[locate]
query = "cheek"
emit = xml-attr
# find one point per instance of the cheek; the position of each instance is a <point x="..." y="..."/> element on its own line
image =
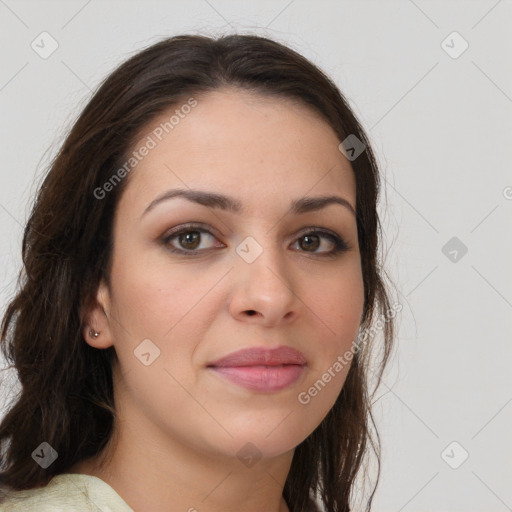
<point x="339" y="302"/>
<point x="338" y="308"/>
<point x="153" y="304"/>
<point x="168" y="307"/>
<point x="152" y="298"/>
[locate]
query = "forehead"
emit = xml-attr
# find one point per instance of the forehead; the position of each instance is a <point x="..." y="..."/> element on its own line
<point x="244" y="144"/>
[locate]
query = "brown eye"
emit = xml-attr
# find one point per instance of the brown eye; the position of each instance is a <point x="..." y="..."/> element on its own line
<point x="187" y="240"/>
<point x="312" y="241"/>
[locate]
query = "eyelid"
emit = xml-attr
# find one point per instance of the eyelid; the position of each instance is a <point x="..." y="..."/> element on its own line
<point x="191" y="226"/>
<point x="206" y="227"/>
<point x="315" y="229"/>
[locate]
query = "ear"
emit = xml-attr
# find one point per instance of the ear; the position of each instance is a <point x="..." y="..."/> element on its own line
<point x="97" y="319"/>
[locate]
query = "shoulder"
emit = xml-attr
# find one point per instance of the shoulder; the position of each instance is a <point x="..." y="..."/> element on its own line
<point x="64" y="493"/>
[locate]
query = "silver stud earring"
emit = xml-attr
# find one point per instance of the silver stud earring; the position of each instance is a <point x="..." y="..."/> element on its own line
<point x="93" y="334"/>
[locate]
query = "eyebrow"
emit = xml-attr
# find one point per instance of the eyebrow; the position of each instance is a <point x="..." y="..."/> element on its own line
<point x="223" y="202"/>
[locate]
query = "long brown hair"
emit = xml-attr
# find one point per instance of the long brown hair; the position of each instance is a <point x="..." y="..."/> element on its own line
<point x="66" y="398"/>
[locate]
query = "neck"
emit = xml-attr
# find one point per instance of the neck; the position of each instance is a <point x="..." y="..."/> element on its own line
<point x="154" y="473"/>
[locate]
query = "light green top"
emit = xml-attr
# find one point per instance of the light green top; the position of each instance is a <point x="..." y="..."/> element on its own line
<point x="65" y="493"/>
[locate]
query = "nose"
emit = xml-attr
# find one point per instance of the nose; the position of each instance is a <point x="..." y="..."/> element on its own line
<point x="264" y="290"/>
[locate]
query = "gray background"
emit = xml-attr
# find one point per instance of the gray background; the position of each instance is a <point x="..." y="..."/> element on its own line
<point x="441" y="128"/>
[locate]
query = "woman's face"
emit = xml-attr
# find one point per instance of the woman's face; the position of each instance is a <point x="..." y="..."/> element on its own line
<point x="262" y="277"/>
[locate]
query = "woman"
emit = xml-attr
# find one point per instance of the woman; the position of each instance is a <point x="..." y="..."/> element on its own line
<point x="201" y="263"/>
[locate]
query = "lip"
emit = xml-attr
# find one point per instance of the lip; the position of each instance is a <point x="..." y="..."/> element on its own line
<point x="261" y="369"/>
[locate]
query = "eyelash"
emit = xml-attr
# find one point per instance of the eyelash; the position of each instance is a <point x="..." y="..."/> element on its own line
<point x="340" y="245"/>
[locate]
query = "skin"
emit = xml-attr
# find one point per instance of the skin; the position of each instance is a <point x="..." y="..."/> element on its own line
<point x="180" y="425"/>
